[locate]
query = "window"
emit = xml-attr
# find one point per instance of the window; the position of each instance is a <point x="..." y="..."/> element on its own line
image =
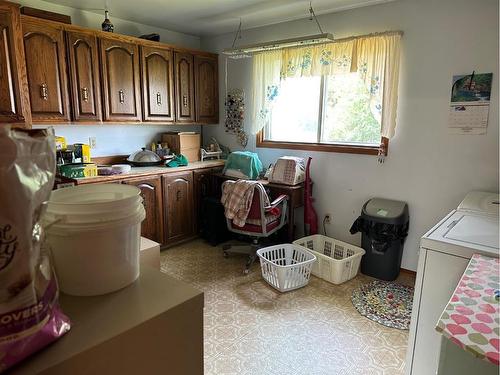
<point x="331" y="113"/>
<point x="340" y="96"/>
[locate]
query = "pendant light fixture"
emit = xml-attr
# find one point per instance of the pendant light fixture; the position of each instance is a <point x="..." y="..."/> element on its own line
<point x="247" y="50"/>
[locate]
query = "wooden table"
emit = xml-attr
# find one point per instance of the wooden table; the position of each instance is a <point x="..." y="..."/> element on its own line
<point x="295" y="194"/>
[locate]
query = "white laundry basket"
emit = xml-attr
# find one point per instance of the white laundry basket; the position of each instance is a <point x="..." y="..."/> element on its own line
<point x="94" y="233"/>
<point x="337" y="261"/>
<point x="286" y="267"/>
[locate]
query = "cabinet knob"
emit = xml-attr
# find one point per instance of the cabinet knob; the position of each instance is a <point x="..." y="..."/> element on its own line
<point x="121" y="96"/>
<point x="44" y="91"/>
<point x="158" y="98"/>
<point x="184" y="100"/>
<point x="178" y="195"/>
<point x="85" y="94"/>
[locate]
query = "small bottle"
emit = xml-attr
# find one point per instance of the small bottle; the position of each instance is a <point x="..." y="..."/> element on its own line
<point x="107" y="25"/>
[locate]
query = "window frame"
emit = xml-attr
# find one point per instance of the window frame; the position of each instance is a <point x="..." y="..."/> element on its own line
<point x="324" y="147"/>
<point x="348" y="148"/>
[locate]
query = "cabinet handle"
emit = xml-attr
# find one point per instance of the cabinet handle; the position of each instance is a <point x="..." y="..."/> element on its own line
<point x="178" y="197"/>
<point x="85" y="94"/>
<point x="121" y="95"/>
<point x="143" y="200"/>
<point x="158" y="98"/>
<point x="185" y="100"/>
<point x="44" y="91"/>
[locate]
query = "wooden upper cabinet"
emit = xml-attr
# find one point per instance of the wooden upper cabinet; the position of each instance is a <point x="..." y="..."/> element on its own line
<point x="184" y="87"/>
<point x="14" y="97"/>
<point x="46" y="68"/>
<point x="83" y="64"/>
<point x="207" y="89"/>
<point x="120" y="80"/>
<point x="157" y="84"/>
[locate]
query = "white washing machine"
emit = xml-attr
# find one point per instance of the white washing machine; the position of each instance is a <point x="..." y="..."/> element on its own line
<point x="445" y="251"/>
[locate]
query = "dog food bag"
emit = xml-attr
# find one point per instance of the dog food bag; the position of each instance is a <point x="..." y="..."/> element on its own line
<point x="30" y="317"/>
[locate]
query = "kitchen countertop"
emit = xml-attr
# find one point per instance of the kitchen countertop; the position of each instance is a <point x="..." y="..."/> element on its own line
<point x="470" y="319"/>
<point x="151" y="171"/>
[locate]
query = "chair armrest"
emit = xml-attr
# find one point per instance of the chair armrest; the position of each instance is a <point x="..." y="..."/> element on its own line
<point x="276" y="202"/>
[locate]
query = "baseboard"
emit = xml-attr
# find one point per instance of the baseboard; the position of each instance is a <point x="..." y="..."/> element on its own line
<point x="408" y="272"/>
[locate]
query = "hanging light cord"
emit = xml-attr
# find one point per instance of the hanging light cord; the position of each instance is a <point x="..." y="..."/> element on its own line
<point x="312" y="16"/>
<point x="237" y="35"/>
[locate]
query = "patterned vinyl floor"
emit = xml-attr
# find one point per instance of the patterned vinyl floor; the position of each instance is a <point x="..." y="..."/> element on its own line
<point x="250" y="328"/>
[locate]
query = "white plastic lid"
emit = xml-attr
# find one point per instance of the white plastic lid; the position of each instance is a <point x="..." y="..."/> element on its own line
<point x="481" y="202"/>
<point x="92" y="203"/>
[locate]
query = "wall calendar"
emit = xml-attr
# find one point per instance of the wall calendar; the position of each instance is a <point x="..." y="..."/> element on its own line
<point x="470" y="103"/>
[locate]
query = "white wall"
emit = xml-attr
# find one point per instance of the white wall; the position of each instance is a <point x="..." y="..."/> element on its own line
<point x="116" y="139"/>
<point x="426" y="167"/>
<point x="93" y="21"/>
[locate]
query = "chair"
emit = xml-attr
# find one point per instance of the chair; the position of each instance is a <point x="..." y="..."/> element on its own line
<point x="262" y="221"/>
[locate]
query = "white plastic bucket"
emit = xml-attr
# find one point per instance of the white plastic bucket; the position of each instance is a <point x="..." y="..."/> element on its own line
<point x="94" y="233"/>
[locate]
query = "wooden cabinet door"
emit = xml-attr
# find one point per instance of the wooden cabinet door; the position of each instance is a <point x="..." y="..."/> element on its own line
<point x="46" y="68"/>
<point x="206" y="89"/>
<point x="84" y="75"/>
<point x="120" y="78"/>
<point x="14" y="100"/>
<point x="152" y="226"/>
<point x="184" y="87"/>
<point x="178" y="206"/>
<point x="157" y="84"/>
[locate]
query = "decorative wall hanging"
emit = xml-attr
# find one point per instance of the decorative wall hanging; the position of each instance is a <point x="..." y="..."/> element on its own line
<point x="235" y="110"/>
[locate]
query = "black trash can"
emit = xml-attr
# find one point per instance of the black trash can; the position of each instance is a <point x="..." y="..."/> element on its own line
<point x="384" y="226"/>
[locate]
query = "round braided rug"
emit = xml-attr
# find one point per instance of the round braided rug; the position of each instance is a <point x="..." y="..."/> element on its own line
<point x="384" y="302"/>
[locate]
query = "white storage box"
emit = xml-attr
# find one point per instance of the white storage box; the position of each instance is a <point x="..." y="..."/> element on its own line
<point x="286" y="267"/>
<point x="337" y="261"/>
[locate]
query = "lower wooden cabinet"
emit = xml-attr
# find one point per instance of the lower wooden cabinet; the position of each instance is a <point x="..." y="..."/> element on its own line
<point x="173" y="203"/>
<point x="151" y="192"/>
<point x="178" y="207"/>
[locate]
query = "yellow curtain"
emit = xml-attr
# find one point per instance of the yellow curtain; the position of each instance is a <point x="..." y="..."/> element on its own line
<point x="266" y="81"/>
<point x="375" y="58"/>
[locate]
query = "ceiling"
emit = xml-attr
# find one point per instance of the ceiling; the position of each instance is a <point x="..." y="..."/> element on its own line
<point x="212" y="17"/>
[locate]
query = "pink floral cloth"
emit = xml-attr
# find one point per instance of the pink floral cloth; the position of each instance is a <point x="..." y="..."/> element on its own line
<point x="471" y="318"/>
<point x="237" y="199"/>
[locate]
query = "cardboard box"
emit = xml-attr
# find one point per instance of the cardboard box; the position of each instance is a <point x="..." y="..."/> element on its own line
<point x="187" y="144"/>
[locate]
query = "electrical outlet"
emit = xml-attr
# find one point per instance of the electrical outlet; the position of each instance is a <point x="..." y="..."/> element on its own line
<point x="92" y="142"/>
<point x="328" y="218"/>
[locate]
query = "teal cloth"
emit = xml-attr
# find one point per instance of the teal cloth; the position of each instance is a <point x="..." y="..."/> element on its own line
<point x="178" y="161"/>
<point x="246" y="162"/>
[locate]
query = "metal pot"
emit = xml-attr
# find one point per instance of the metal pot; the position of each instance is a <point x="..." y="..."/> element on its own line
<point x="144" y="158"/>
